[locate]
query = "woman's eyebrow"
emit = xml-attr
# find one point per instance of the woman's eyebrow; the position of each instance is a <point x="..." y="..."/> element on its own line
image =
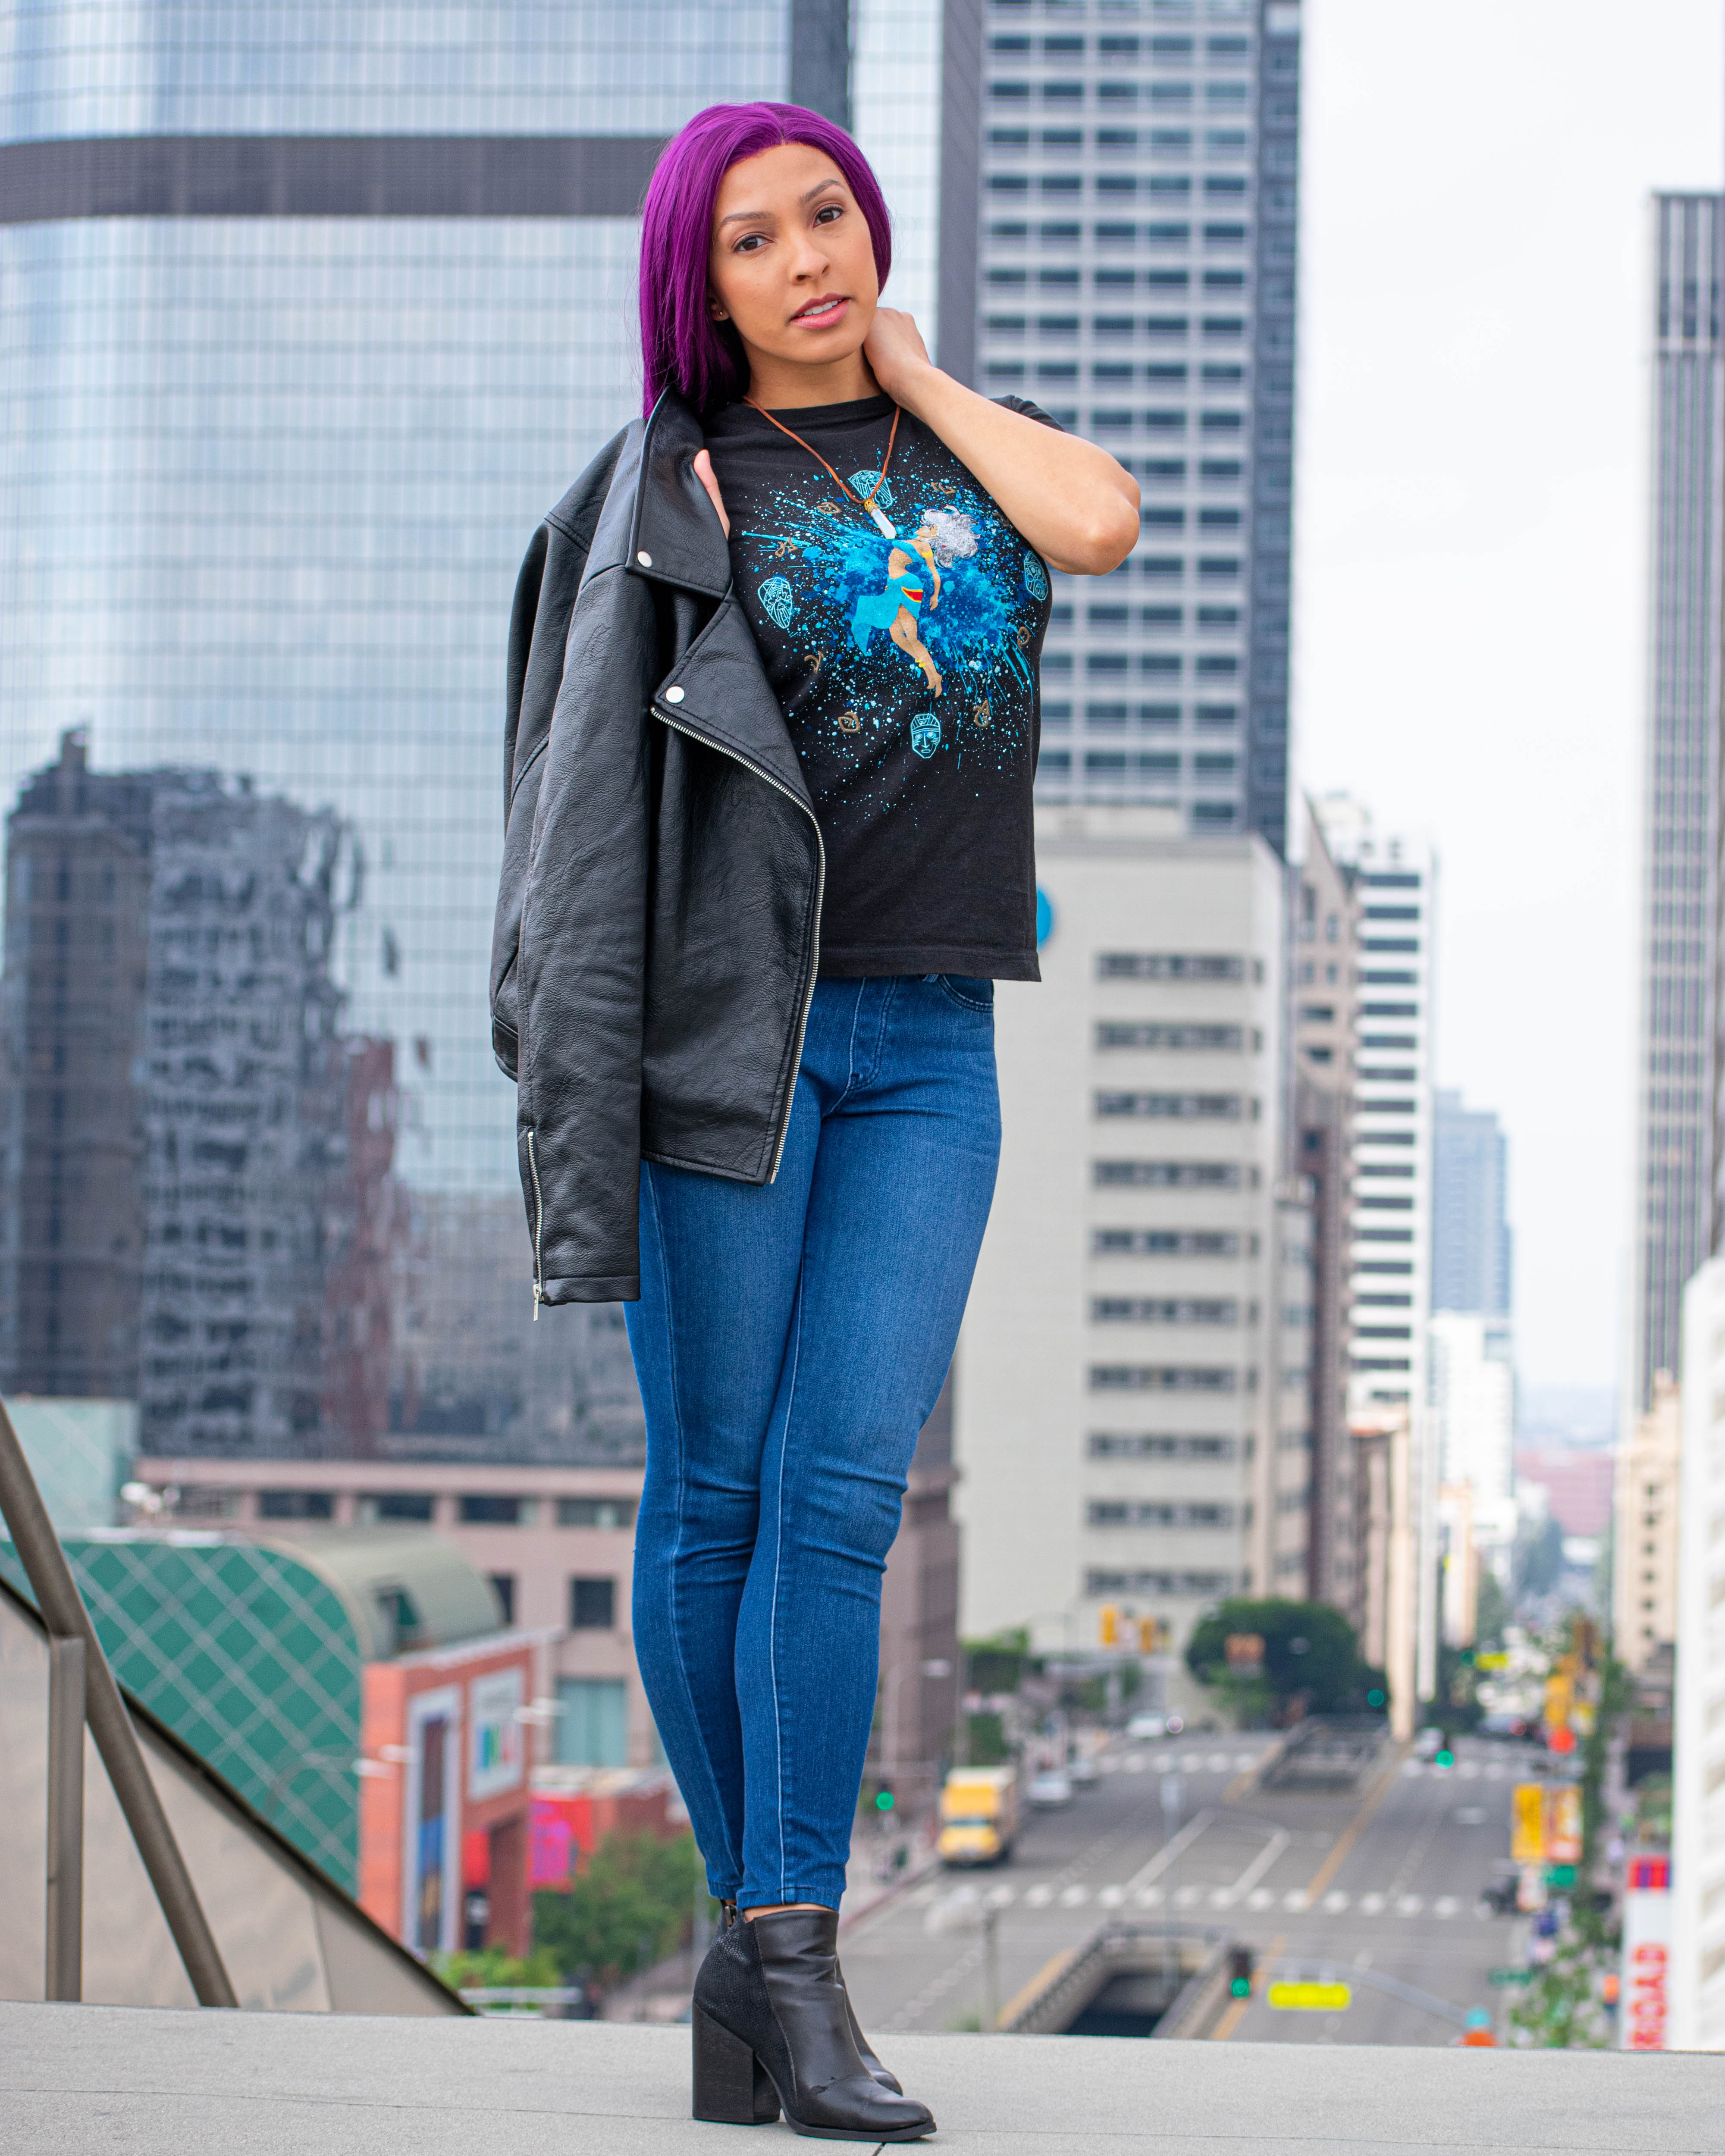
<point x="750" y="216"/>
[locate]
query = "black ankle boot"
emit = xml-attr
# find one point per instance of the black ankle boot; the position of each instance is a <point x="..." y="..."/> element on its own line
<point x="769" y="1997"/>
<point x="871" y="2065"/>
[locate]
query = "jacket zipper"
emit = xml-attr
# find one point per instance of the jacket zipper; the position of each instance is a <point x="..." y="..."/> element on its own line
<point x="820" y="885"/>
<point x="538" y="1224"/>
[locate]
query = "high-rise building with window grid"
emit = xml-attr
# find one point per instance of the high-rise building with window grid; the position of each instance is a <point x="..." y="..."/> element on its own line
<point x="1137" y="264"/>
<point x="1677" y="1206"/>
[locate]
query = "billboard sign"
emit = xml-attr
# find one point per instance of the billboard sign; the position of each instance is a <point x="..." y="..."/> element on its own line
<point x="1646" y="1952"/>
<point x="496" y="1752"/>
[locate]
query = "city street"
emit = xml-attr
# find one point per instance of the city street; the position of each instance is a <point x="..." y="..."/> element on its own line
<point x="1375" y="1885"/>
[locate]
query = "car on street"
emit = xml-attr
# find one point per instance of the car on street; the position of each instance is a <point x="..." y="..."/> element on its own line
<point x="1147" y="1725"/>
<point x="1083" y="1772"/>
<point x="1051" y="1788"/>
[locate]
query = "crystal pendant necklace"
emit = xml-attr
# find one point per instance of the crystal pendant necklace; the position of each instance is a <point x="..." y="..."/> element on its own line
<point x="887" y="530"/>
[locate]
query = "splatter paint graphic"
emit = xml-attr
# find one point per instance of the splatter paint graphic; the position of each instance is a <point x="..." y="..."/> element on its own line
<point x="920" y="637"/>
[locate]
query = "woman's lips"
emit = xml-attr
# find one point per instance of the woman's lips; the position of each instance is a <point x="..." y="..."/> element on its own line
<point x="830" y="307"/>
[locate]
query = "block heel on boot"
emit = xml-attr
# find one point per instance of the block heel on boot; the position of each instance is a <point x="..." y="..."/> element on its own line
<point x="769" y="1995"/>
<point x="732" y="2086"/>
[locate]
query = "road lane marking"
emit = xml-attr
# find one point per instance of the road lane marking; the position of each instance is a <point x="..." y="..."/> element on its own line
<point x="1335" y="1903"/>
<point x="1278" y="1841"/>
<point x="1217" y="1762"/>
<point x="1039" y="1898"/>
<point x="1188" y="1897"/>
<point x="1110" y="1898"/>
<point x="1409" y="1905"/>
<point x="1371" y="1905"/>
<point x="1446" y="1906"/>
<point x="1075" y="1898"/>
<point x="1148" y="1898"/>
<point x="1469" y="1769"/>
<point x="1138" y="1762"/>
<point x="1351" y="1834"/>
<point x="1261" y="1897"/>
<point x="1169" y="1851"/>
<point x="1299" y="1899"/>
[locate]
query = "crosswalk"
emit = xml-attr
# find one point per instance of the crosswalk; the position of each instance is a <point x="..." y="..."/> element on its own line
<point x="1195" y="1896"/>
<point x="1168" y="1762"/>
<point x="1160" y="1762"/>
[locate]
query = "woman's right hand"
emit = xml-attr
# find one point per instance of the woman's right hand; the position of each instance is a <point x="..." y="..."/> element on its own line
<point x="704" y="472"/>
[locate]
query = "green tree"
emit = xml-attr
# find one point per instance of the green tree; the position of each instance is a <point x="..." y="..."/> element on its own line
<point x="631" y="1904"/>
<point x="1310" y="1651"/>
<point x="493" y="1968"/>
<point x="1494" y="1610"/>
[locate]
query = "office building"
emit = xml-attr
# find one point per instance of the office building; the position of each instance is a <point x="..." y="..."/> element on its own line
<point x="1646" y="1503"/>
<point x="300" y="333"/>
<point x="1323" y="959"/>
<point x="1138" y="224"/>
<point x="1470" y="1240"/>
<point x="1132" y="1396"/>
<point x="1676" y="1208"/>
<point x="1697" y="1955"/>
<point x="1390" y="1258"/>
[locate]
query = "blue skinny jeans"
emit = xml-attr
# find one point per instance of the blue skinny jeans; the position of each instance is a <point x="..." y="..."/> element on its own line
<point x="790" y="1342"/>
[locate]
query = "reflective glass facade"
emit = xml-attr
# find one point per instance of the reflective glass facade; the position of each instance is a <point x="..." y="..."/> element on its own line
<point x="265" y="480"/>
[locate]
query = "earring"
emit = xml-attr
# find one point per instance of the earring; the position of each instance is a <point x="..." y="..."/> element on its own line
<point x="720" y="314"/>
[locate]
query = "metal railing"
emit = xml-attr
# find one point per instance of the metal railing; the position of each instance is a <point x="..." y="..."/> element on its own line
<point x="81" y="1691"/>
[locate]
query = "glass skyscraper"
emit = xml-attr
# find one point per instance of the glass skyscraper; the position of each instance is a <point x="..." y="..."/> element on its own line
<point x="1139" y="207"/>
<point x="308" y="312"/>
<point x="1675" y="1207"/>
<point x="1471" y="1238"/>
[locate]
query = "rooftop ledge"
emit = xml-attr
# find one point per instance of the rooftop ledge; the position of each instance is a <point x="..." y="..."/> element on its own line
<point x="158" y="2082"/>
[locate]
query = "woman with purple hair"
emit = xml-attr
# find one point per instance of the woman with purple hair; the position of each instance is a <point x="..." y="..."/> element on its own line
<point x="760" y="874"/>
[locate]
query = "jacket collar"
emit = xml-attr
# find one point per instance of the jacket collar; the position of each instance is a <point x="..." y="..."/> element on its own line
<point x="674" y="536"/>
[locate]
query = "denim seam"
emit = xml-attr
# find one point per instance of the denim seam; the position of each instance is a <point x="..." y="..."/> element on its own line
<point x="777" y="1564"/>
<point x="944" y="983"/>
<point x="887" y="1001"/>
<point x="676" y="1399"/>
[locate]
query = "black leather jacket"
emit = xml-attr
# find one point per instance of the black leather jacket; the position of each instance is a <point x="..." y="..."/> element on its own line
<point x="658" y="926"/>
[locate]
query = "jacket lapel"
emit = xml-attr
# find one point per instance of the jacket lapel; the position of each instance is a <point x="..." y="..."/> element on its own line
<point x="718" y="688"/>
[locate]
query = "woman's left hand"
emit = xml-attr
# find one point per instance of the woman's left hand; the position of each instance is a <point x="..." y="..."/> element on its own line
<point x="895" y="350"/>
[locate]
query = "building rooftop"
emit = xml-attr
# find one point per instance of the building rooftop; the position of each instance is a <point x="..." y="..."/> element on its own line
<point x="168" y="2083"/>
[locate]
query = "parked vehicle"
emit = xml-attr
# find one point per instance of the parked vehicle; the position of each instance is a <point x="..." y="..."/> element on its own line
<point x="1082" y="1771"/>
<point x="1147" y="1725"/>
<point x="979" y="1815"/>
<point x="1050" y="1790"/>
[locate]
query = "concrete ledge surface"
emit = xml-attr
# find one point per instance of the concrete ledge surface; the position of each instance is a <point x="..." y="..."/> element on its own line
<point x="86" y="2081"/>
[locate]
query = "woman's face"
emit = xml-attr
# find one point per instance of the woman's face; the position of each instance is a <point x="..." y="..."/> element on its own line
<point x="791" y="262"/>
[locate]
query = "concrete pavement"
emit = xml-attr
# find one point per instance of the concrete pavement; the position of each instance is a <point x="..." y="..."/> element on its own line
<point x="94" y="2081"/>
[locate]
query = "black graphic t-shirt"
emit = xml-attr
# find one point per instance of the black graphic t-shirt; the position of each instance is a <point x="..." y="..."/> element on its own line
<point x="905" y="661"/>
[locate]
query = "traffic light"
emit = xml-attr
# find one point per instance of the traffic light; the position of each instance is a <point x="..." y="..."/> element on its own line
<point x="1241" y="1962"/>
<point x="884" y="1799"/>
<point x="1108" y="1625"/>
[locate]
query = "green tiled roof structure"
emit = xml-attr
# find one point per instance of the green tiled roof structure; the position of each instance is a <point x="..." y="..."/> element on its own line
<point x="251" y="1651"/>
<point x="249" y="1655"/>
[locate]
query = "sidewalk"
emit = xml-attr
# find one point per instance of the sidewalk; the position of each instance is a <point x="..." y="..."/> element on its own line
<point x="75" y="2080"/>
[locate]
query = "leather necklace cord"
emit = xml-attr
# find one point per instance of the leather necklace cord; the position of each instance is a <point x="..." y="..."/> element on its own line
<point x="863" y="501"/>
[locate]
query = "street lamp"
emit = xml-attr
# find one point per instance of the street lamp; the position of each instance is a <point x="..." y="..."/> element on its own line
<point x="932" y="1669"/>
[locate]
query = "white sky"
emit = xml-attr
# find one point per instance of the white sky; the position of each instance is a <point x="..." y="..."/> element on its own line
<point x="1471" y="534"/>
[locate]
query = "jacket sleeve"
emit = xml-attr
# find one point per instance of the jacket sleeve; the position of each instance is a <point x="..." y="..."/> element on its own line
<point x="545" y="594"/>
<point x="582" y="964"/>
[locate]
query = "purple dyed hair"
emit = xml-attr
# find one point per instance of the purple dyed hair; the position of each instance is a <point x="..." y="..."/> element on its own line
<point x="682" y="346"/>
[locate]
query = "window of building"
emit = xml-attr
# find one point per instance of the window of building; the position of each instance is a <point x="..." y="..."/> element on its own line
<point x="1164" y="1243"/>
<point x="1142" y="1033"/>
<point x="1166" y="1174"/>
<point x="592" y="1725"/>
<point x="1218" y="565"/>
<point x="1206" y="1107"/>
<point x="593" y="1604"/>
<point x="502" y="1584"/>
<point x="296" y="1504"/>
<point x="1058" y="234"/>
<point x="1159" y="715"/>
<point x="1217" y="616"/>
<point x="415" y="1505"/>
<point x="596" y="1511"/>
<point x="488" y="1511"/>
